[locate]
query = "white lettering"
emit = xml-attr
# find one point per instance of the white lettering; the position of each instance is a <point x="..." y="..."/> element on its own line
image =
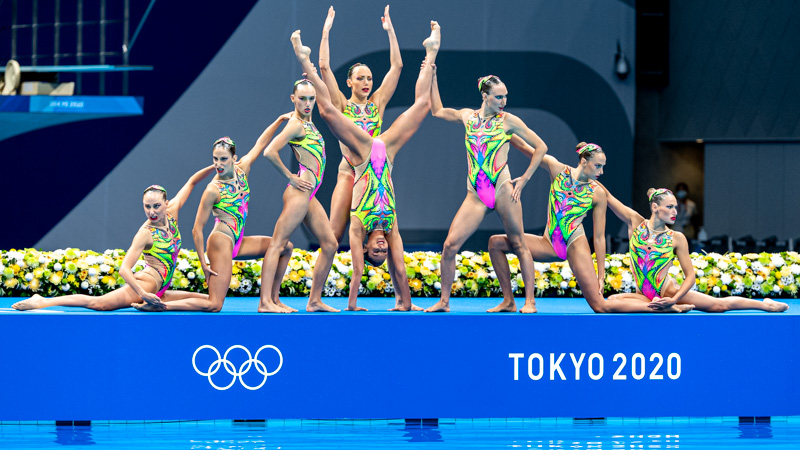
<point x="555" y="365"/>
<point x="577" y="364"/>
<point x="592" y="374"/>
<point x="516" y="357"/>
<point x="530" y="366"/>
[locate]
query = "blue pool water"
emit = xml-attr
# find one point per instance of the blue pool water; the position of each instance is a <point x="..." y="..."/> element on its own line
<point x="712" y="433"/>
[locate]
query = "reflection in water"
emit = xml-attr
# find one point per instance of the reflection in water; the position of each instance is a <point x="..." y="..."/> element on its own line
<point x="74" y="436"/>
<point x="755" y="431"/>
<point x="416" y="432"/>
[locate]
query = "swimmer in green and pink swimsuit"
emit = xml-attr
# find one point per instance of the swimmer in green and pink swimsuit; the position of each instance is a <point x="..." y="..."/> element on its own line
<point x="159" y="241"/>
<point x="653" y="249"/>
<point x="490" y="187"/>
<point x="364" y="107"/>
<point x="373" y="202"/>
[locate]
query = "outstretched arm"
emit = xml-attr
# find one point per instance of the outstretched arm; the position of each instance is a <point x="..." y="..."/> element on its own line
<point x="210" y="197"/>
<point x="141" y="241"/>
<point x="180" y="198"/>
<point x="384" y="93"/>
<point x="292" y="130"/>
<point x="627" y="215"/>
<point x="599" y="226"/>
<point x="337" y="98"/>
<point x="247" y="161"/>
<point x="448" y="114"/>
<point x="357" y="255"/>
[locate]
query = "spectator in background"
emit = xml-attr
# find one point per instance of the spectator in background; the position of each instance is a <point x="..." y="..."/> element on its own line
<point x="687" y="212"/>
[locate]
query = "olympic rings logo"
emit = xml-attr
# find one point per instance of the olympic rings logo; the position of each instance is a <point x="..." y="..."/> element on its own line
<point x="222" y="362"/>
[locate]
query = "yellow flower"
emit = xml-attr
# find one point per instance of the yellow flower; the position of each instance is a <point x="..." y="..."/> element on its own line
<point x="541" y="283"/>
<point x="55" y="278"/>
<point x="572" y="284"/>
<point x="35" y="284"/>
<point x="10" y="283"/>
<point x="616" y="282"/>
<point x="241" y="264"/>
<point x="71" y="278"/>
<point x="15" y="268"/>
<point x="234" y="283"/>
<point x="415" y="284"/>
<point x="487" y="257"/>
<point x="386" y="276"/>
<point x="294" y="276"/>
<point x="93" y="280"/>
<point x="38" y="273"/>
<point x="184" y="282"/>
<point x="301" y="272"/>
<point x="341" y="283"/>
<point x="235" y="270"/>
<point x="724" y="287"/>
<point x="296" y="265"/>
<point x="109" y="281"/>
<point x="425" y="271"/>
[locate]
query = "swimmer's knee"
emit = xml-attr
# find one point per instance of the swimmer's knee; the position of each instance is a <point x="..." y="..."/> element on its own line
<point x="497" y="242"/>
<point x="449" y="248"/>
<point x="288" y="247"/>
<point x="99" y="305"/>
<point x="328" y="246"/>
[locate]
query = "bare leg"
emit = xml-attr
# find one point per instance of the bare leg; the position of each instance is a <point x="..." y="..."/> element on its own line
<point x="466" y="221"/>
<point x="340" y="204"/>
<point x="707" y="303"/>
<point x="499" y="245"/>
<point x="295" y="208"/>
<point x="510" y="212"/>
<point x="343" y="128"/>
<point x="408" y="123"/>
<point x="397" y="270"/>
<point x="582" y="265"/>
<point x="317" y="222"/>
<point x="117" y="299"/>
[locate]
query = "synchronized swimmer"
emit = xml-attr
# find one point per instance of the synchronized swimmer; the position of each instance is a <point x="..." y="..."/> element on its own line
<point x="364" y="186"/>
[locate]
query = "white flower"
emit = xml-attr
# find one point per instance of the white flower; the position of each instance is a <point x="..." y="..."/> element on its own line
<point x="742" y="264"/>
<point x="105" y="268"/>
<point x="674" y="270"/>
<point x="42" y="260"/>
<point x="371" y="272"/>
<point x="308" y="284"/>
<point x="65" y="287"/>
<point x="28" y="276"/>
<point x="738" y="289"/>
<point x="437" y="285"/>
<point x="775" y="288"/>
<point x="245" y="286"/>
<point x="716" y="256"/>
<point x="89" y="260"/>
<point x="258" y="281"/>
<point x="607" y="264"/>
<point x="756" y="266"/>
<point x="787" y="280"/>
<point x="722" y="265"/>
<point x="84" y="285"/>
<point x="183" y="265"/>
<point x="540" y="267"/>
<point x="467" y="254"/>
<point x="564" y="285"/>
<point x="756" y="287"/>
<point x="699" y="273"/>
<point x="57" y="267"/>
<point x="566" y="273"/>
<point x="306" y="267"/>
<point x="795" y="269"/>
<point x="92" y="271"/>
<point x="191" y="275"/>
<point x="700" y="263"/>
<point x="716" y="289"/>
<point x="492" y="274"/>
<point x="726" y="279"/>
<point x="759" y="279"/>
<point x="429" y="265"/>
<point x="627" y="277"/>
<point x="777" y="261"/>
<point x="287" y="271"/>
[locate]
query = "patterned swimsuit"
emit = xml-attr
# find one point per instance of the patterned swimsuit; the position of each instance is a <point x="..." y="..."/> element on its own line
<point x="484" y="139"/>
<point x="163" y="255"/>
<point x="231" y="210"/>
<point x="568" y="204"/>
<point x="310" y="152"/>
<point x="651" y="255"/>
<point x="368" y="119"/>
<point x="373" y="194"/>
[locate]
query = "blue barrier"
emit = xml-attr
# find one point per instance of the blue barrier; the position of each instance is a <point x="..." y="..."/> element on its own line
<point x="127" y="366"/>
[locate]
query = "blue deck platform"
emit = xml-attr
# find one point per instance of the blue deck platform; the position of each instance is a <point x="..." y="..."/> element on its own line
<point x="70" y="364"/>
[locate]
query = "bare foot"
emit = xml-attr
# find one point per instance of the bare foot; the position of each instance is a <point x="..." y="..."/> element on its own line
<point x="504" y="306"/>
<point x="355" y="308"/>
<point x="146" y="307"/>
<point x="676" y="309"/>
<point x="433" y="41"/>
<point x="319" y="306"/>
<point x="301" y="51"/>
<point x="440" y="306"/>
<point x="34" y="302"/>
<point x="285" y="306"/>
<point x="773" y="306"/>
<point x="400" y="307"/>
<point x="270" y="307"/>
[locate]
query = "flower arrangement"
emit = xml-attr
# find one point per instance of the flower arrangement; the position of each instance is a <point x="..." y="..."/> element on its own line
<point x="73" y="271"/>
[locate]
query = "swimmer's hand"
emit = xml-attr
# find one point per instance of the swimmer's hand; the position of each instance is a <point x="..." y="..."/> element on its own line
<point x="207" y="270"/>
<point x="385" y="20"/>
<point x="301" y="184"/>
<point x="519" y="184"/>
<point x="660" y="303"/>
<point x="602" y="282"/>
<point x="153" y="300"/>
<point x="285" y="117"/>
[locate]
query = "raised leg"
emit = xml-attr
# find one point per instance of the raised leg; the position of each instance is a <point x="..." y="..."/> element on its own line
<point x="340" y="204"/>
